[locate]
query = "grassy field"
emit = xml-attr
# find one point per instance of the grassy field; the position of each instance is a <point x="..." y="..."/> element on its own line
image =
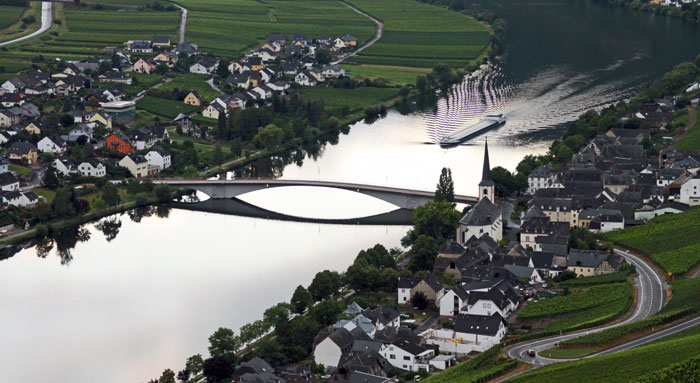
<point x="358" y="98"/>
<point x="189" y="81"/>
<point x="619" y="367"/>
<point x="396" y="75"/>
<point x="164" y="108"/>
<point x="670" y="240"/>
<point x="9" y="15"/>
<point x="691" y="140"/>
<point x="421" y="35"/>
<point x="594" y="297"/>
<point x="616" y="277"/>
<point x="232" y="27"/>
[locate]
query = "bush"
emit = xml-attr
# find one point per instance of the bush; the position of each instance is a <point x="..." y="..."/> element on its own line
<point x="41" y="230"/>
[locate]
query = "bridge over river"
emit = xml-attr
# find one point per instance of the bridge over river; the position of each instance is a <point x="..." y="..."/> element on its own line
<point x="228" y="189"/>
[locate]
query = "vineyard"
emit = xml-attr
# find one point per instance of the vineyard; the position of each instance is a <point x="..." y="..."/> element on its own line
<point x="619" y="367"/>
<point x="687" y="371"/>
<point x="595" y="296"/>
<point x="481" y="368"/>
<point x="616" y="277"/>
<point x="672" y="241"/>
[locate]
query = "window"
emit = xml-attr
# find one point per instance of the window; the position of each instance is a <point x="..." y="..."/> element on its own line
<point x="406" y="358"/>
<point x="392" y="356"/>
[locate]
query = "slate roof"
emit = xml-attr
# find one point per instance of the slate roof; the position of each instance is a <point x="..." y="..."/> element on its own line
<point x="451" y="247"/>
<point x="478" y="324"/>
<point x="494" y="295"/>
<point x="586" y="258"/>
<point x="382" y="314"/>
<point x="482" y="214"/>
<point x="22" y="147"/>
<point x="407" y="283"/>
<point x="361" y="377"/>
<point x="161" y="40"/>
<point x="7" y="178"/>
<point x="520" y="271"/>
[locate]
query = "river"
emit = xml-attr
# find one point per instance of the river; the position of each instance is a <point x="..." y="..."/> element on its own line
<point x="122" y="307"/>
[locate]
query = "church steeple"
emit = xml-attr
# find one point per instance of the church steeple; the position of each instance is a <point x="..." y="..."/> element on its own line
<point x="486" y="186"/>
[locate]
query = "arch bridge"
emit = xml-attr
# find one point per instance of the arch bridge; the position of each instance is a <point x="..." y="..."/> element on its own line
<point x="227" y="189"/>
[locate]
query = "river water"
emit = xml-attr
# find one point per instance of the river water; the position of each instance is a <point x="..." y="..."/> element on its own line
<point x="138" y="294"/>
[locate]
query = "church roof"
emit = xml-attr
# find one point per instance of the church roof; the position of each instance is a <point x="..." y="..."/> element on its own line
<point x="486" y="172"/>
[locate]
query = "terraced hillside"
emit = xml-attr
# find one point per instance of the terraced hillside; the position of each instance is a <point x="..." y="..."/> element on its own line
<point x="232" y="27"/>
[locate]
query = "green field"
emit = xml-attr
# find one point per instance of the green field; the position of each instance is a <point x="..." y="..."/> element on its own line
<point x="616" y="277"/>
<point x="594" y="297"/>
<point x="421" y="35"/>
<point x="358" y="98"/>
<point x="672" y="241"/>
<point x="691" y="140"/>
<point x="394" y="74"/>
<point x="619" y="367"/>
<point x="9" y="15"/>
<point x="22" y="170"/>
<point x="189" y="81"/>
<point x="480" y="368"/>
<point x="164" y="108"/>
<point x="232" y="27"/>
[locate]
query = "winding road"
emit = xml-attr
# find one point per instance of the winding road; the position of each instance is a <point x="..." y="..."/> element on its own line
<point x="380" y="27"/>
<point x="46" y="19"/>
<point x="650" y="300"/>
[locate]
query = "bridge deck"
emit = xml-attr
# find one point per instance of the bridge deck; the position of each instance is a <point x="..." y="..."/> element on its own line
<point x="331" y="184"/>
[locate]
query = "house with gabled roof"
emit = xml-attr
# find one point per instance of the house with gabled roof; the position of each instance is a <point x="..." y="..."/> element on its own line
<point x="8" y="182"/>
<point x="329" y="348"/>
<point x="193" y="98"/>
<point x="23" y="151"/>
<point x="470" y="333"/>
<point x="51" y="144"/>
<point x="586" y="263"/>
<point x="92" y="168"/>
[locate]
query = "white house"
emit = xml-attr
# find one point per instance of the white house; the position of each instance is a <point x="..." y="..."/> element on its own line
<point x="8" y="182"/>
<point x="407" y="356"/>
<point x="204" y="66"/>
<point x="64" y="166"/>
<point x="487" y="303"/>
<point x="540" y="178"/>
<point x="331" y="348"/>
<point x="18" y="198"/>
<point x="92" y="168"/>
<point x="452" y="302"/>
<point x="525" y="272"/>
<point x="51" y="144"/>
<point x="470" y="333"/>
<point x="333" y="71"/>
<point x="13" y="85"/>
<point x="404" y="289"/>
<point x="690" y="191"/>
<point x="158" y="158"/>
<point x="305" y="78"/>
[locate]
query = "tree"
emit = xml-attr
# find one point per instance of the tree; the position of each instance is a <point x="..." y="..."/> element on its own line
<point x="268" y="137"/>
<point x="222" y="127"/>
<point x="326" y="312"/>
<point x="161" y="69"/>
<point x="217" y="368"/>
<point x="446" y="187"/>
<point x="505" y="182"/>
<point x="223" y="342"/>
<point x="194" y="364"/>
<point x="325" y="284"/>
<point x="236" y="147"/>
<point x="110" y="195"/>
<point x="218" y="155"/>
<point x="436" y="219"/>
<point x="419" y="301"/>
<point x="168" y="376"/>
<point x="422" y="84"/>
<point x="163" y="193"/>
<point x="423" y="254"/>
<point x="184" y="375"/>
<point x="222" y="69"/>
<point x="42" y="211"/>
<point x="322" y="56"/>
<point x="276" y="315"/>
<point x="301" y="299"/>
<point x="50" y="179"/>
<point x="63" y="203"/>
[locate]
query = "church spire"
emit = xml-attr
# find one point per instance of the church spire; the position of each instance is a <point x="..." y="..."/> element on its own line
<point x="487" y="187"/>
<point x="486" y="173"/>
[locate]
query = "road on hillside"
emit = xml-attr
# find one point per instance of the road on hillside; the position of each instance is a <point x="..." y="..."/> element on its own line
<point x="650" y="300"/>
<point x="380" y="27"/>
<point x="46" y="19"/>
<point x="183" y="23"/>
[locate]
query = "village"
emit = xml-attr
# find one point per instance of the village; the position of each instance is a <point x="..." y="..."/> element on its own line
<point x="81" y="123"/>
<point x="477" y="281"/>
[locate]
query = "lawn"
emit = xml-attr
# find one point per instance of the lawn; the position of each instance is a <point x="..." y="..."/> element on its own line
<point x="691" y="140"/>
<point x="164" y="108"/>
<point x="232" y="27"/>
<point x="396" y="75"/>
<point x="421" y="35"/>
<point x="46" y="193"/>
<point x="358" y="98"/>
<point x="190" y="81"/>
<point x="618" y="367"/>
<point x="22" y="170"/>
<point x="672" y="241"/>
<point x="9" y="15"/>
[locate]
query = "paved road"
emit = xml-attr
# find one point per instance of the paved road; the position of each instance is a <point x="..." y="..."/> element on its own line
<point x="183" y="23"/>
<point x="216" y="88"/>
<point x="650" y="300"/>
<point x="380" y="27"/>
<point x="46" y="19"/>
